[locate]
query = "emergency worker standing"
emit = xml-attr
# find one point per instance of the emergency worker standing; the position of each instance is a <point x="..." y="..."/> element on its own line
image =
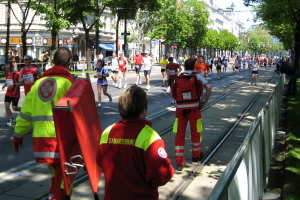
<point x="36" y="114"/>
<point x="191" y="92"/>
<point x="132" y="154"/>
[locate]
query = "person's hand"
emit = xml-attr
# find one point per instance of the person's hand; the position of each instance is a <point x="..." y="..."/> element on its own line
<point x="17" y="143"/>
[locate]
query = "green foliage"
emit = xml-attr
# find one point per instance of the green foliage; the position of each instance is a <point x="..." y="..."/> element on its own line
<point x="292" y="180"/>
<point x="258" y="41"/>
<point x="184" y="24"/>
<point x="53" y="14"/>
<point x="211" y="39"/>
<point x="228" y="40"/>
<point x="280" y="17"/>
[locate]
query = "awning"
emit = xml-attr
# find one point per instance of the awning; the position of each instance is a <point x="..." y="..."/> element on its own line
<point x="107" y="47"/>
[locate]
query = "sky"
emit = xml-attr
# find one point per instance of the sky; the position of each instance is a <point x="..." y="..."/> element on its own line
<point x="241" y="11"/>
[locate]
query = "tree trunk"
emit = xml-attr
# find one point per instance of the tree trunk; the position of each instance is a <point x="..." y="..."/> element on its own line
<point x="97" y="38"/>
<point x="292" y="85"/>
<point x="87" y="48"/>
<point x="54" y="40"/>
<point x="24" y="45"/>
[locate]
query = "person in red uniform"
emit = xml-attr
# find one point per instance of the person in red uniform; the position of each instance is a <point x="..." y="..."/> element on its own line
<point x="172" y="70"/>
<point x="54" y="83"/>
<point x="131" y="153"/>
<point x="191" y="91"/>
<point x="12" y="94"/>
<point x="28" y="74"/>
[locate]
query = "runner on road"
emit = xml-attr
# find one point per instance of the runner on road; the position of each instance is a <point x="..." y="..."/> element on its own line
<point x="147" y="61"/>
<point x="115" y="70"/>
<point x="163" y="63"/>
<point x="12" y="94"/>
<point x="101" y="75"/>
<point x="138" y="63"/>
<point x="28" y="74"/>
<point x="123" y="63"/>
<point x="172" y="71"/>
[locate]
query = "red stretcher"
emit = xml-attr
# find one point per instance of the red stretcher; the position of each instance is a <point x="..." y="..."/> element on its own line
<point x="78" y="131"/>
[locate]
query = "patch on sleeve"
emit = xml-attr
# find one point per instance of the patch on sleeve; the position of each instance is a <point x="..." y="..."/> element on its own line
<point x="162" y="153"/>
<point x="47" y="89"/>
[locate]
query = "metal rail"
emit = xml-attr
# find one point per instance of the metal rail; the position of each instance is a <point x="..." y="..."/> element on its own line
<point x="210" y="153"/>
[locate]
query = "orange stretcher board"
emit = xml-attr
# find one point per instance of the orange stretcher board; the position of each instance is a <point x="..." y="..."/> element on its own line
<point x="78" y="129"/>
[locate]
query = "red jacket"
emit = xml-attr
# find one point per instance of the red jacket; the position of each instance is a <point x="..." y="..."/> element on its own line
<point x="134" y="161"/>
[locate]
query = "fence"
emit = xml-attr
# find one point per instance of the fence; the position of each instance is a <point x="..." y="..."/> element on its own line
<point x="246" y="175"/>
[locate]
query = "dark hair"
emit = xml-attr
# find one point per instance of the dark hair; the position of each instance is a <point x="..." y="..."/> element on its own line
<point x="170" y="59"/>
<point x="62" y="57"/>
<point x="133" y="102"/>
<point x="189" y="64"/>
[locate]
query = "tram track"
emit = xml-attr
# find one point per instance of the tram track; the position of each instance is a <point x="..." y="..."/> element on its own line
<point x="196" y="169"/>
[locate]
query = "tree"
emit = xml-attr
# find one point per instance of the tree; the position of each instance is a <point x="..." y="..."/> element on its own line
<point x="54" y="15"/>
<point x="211" y="40"/>
<point x="282" y="17"/>
<point x="230" y="41"/>
<point x="87" y="13"/>
<point x="26" y="18"/>
<point x="182" y="24"/>
<point x="198" y="15"/>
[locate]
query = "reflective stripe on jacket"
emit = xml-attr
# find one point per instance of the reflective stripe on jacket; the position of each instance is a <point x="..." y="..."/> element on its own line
<point x="36" y="115"/>
<point x="144" y="139"/>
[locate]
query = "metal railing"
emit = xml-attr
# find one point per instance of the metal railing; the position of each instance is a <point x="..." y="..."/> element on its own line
<point x="246" y="175"/>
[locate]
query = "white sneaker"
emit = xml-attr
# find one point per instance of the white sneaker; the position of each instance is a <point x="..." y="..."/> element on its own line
<point x="136" y="82"/>
<point x="125" y="85"/>
<point x="98" y="105"/>
<point x="148" y="87"/>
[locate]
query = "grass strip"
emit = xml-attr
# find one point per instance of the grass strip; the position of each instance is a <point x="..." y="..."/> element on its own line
<point x="292" y="182"/>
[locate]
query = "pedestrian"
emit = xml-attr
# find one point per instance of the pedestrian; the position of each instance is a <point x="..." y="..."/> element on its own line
<point x="28" y="74"/>
<point x="254" y="73"/>
<point x="123" y="63"/>
<point x="115" y="70"/>
<point x="191" y="92"/>
<point x="131" y="152"/>
<point x="201" y="66"/>
<point x="147" y="62"/>
<point x="101" y="75"/>
<point x="237" y="64"/>
<point x="36" y="116"/>
<point x="12" y="94"/>
<point x="225" y="63"/>
<point x="138" y="63"/>
<point x="218" y="64"/>
<point x="163" y="63"/>
<point x="172" y="71"/>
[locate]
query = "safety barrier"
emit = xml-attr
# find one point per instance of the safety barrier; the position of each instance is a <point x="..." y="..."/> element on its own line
<point x="246" y="175"/>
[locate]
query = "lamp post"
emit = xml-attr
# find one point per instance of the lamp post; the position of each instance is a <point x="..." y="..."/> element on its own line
<point x="7" y="30"/>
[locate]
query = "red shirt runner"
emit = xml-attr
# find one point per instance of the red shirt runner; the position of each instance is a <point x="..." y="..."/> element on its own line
<point x="172" y="70"/>
<point x="28" y="75"/>
<point x="12" y="89"/>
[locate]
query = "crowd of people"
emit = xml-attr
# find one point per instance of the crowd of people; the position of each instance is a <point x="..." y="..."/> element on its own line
<point x="130" y="150"/>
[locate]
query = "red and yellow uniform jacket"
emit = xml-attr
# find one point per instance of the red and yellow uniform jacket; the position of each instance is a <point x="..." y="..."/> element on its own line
<point x="133" y="158"/>
<point x="36" y="112"/>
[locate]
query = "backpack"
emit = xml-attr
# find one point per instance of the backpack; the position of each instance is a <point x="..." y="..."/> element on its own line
<point x="187" y="91"/>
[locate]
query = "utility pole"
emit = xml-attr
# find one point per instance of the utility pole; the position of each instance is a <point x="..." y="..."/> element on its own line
<point x="7" y="30"/>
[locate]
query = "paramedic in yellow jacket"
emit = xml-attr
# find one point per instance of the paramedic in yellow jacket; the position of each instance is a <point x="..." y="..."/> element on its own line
<point x="36" y="115"/>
